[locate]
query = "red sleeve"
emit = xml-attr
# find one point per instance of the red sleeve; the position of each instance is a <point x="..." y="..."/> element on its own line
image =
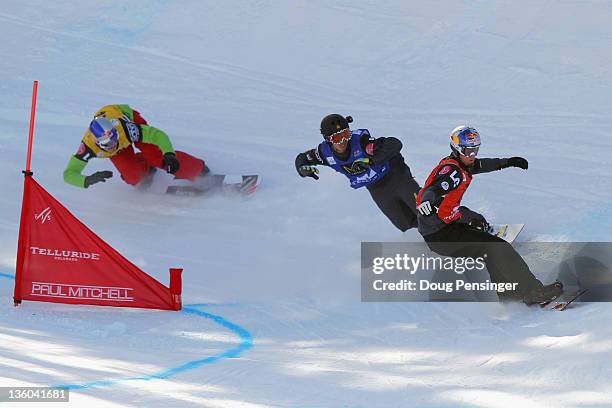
<point x="138" y="118"/>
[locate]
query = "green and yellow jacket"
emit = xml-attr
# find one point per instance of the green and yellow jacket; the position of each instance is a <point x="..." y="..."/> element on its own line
<point x="129" y="133"/>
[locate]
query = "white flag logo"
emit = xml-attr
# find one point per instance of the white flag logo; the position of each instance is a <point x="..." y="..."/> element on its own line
<point x="44" y="215"/>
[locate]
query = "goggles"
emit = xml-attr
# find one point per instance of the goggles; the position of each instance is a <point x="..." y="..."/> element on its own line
<point x="108" y="141"/>
<point x="339" y="137"/>
<point x="470" y="151"/>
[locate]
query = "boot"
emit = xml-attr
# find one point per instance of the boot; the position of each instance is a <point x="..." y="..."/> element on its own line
<point x="544" y="294"/>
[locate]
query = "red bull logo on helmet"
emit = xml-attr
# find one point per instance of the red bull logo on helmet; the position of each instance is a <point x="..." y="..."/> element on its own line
<point x="466" y="136"/>
<point x="472" y="139"/>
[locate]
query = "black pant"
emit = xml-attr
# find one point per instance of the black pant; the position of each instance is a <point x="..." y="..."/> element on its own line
<point x="395" y="195"/>
<point x="504" y="264"/>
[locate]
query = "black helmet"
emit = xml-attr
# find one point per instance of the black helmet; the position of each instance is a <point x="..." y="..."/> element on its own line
<point x="334" y="123"/>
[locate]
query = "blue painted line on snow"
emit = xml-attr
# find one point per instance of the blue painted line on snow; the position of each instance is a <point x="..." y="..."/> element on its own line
<point x="246" y="342"/>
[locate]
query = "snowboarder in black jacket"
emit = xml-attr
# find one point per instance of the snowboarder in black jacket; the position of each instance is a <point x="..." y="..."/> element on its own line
<point x="374" y="163"/>
<point x="451" y="229"/>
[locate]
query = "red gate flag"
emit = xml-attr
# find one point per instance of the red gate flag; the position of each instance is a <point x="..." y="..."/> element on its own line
<point x="60" y="260"/>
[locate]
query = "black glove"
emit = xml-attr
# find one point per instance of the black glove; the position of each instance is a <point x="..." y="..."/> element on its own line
<point x="308" y="171"/>
<point x="518" y="162"/>
<point x="479" y="224"/>
<point x="473" y="219"/>
<point x="170" y="163"/>
<point x="97" y="177"/>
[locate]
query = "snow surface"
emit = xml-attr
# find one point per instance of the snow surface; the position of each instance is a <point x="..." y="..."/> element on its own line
<point x="271" y="285"/>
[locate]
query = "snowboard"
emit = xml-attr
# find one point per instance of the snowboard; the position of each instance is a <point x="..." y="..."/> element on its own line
<point x="566" y="300"/>
<point x="507" y="232"/>
<point x="160" y="182"/>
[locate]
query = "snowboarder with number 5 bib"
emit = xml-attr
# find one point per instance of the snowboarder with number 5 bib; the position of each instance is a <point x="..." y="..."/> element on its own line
<point x="451" y="229"/>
